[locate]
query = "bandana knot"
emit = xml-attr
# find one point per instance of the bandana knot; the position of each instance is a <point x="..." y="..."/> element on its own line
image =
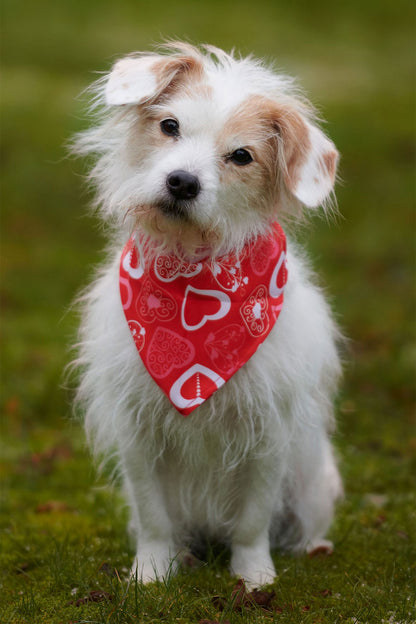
<point x="195" y="324"/>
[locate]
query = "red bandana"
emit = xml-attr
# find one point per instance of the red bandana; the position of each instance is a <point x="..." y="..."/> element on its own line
<point x="195" y="324"/>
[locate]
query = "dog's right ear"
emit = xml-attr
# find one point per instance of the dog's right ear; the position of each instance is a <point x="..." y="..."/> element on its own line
<point x="136" y="80"/>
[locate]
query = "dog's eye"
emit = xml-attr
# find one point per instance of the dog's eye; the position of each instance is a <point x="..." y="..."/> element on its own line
<point x="170" y="127"/>
<point x="240" y="157"/>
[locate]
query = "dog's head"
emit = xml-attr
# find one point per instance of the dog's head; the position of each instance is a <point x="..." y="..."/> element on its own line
<point x="202" y="149"/>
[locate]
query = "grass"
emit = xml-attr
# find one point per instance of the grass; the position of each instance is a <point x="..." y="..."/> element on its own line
<point x="59" y="523"/>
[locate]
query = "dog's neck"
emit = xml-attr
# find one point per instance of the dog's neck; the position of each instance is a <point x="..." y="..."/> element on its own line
<point x="157" y="244"/>
<point x="200" y="254"/>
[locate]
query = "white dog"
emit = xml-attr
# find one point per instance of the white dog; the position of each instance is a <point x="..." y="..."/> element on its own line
<point x="208" y="354"/>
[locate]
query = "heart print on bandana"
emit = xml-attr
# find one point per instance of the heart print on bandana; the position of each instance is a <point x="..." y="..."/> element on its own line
<point x="168" y="268"/>
<point x="189" y="389"/>
<point x="254" y="312"/>
<point x="167" y="351"/>
<point x="224" y="347"/>
<point x="195" y="324"/>
<point x="154" y="302"/>
<point x="201" y="306"/>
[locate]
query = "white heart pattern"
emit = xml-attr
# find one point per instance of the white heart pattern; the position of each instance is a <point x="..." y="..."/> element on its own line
<point x="133" y="262"/>
<point x="200" y="300"/>
<point x="126" y="293"/>
<point x="170" y="268"/>
<point x="202" y="374"/>
<point x="278" y="277"/>
<point x="139" y="334"/>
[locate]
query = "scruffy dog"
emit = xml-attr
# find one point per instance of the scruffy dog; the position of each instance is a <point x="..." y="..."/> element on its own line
<point x="208" y="354"/>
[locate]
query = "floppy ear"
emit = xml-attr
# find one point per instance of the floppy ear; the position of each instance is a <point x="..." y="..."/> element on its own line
<point x="134" y="80"/>
<point x="310" y="160"/>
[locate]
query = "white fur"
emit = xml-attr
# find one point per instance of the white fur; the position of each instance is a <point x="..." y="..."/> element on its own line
<point x="252" y="466"/>
<point x="130" y="81"/>
<point x="312" y="186"/>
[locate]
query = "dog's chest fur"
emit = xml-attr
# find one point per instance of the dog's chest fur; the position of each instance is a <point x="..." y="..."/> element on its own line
<point x="205" y="455"/>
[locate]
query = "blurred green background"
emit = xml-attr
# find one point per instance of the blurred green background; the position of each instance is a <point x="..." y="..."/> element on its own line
<point x="356" y="61"/>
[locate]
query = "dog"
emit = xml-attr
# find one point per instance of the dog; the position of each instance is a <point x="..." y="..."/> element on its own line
<point x="208" y="355"/>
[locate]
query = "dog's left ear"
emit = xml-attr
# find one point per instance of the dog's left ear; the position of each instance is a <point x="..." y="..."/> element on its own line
<point x="137" y="80"/>
<point x="310" y="159"/>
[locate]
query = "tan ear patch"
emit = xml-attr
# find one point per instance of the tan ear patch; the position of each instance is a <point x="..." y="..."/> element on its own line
<point x="289" y="146"/>
<point x="145" y="79"/>
<point x="279" y="135"/>
<point x="330" y="161"/>
<point x="170" y="73"/>
<point x="295" y="145"/>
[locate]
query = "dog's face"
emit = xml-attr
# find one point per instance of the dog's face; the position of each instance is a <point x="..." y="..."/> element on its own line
<point x="205" y="153"/>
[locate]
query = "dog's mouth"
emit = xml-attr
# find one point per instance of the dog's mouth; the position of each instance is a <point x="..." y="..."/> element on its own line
<point x="175" y="210"/>
<point x="171" y="222"/>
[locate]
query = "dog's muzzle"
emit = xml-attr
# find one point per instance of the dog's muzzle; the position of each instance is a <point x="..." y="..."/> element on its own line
<point x="182" y="188"/>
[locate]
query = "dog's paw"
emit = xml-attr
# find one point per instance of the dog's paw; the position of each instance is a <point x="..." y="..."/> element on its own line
<point x="255" y="567"/>
<point x="153" y="564"/>
<point x="319" y="546"/>
<point x="146" y="571"/>
<point x="256" y="579"/>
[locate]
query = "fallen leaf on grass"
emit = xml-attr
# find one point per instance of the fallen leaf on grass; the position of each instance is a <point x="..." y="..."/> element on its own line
<point x="238" y="595"/>
<point x="22" y="567"/>
<point x="261" y="598"/>
<point x="219" y="602"/>
<point x="320" y="551"/>
<point x="44" y="462"/>
<point x="241" y="598"/>
<point x="93" y="596"/>
<point x="12" y="406"/>
<point x="402" y="535"/>
<point x="52" y="507"/>
<point x="381" y="519"/>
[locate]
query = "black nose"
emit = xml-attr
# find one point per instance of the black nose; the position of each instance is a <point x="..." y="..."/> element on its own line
<point x="182" y="185"/>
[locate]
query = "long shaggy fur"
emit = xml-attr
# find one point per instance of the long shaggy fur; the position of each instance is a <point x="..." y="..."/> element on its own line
<point x="252" y="466"/>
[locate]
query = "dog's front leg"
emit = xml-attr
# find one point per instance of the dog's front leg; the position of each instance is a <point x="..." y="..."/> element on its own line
<point x="155" y="548"/>
<point x="250" y="545"/>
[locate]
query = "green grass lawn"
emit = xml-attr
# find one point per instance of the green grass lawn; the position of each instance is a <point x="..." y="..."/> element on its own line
<point x="64" y="548"/>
